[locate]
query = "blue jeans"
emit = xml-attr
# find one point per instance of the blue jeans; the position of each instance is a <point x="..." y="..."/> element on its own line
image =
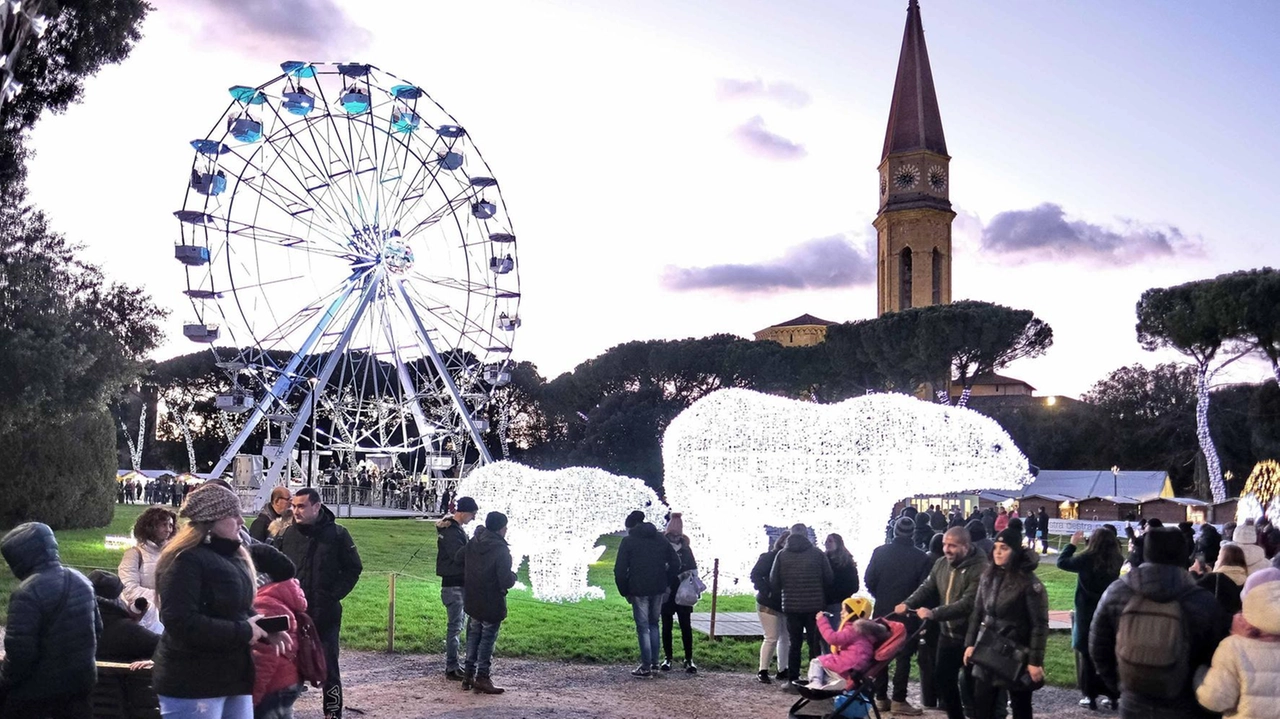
<point x="237" y="707"/>
<point x="646" y="611"/>
<point x="452" y="599"/>
<point x="278" y="705"/>
<point x="481" y="636"/>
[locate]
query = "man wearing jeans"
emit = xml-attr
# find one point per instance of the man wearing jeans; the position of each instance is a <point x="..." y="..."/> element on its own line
<point x="645" y="567"/>
<point x="451" y="538"/>
<point x="487" y="565"/>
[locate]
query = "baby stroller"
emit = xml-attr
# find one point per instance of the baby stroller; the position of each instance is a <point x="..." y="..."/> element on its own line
<point x="857" y="699"/>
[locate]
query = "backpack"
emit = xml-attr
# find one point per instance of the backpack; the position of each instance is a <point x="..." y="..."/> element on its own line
<point x="312" y="668"/>
<point x="1152" y="648"/>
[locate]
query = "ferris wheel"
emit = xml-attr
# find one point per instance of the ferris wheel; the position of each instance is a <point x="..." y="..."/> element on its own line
<point x="348" y="253"/>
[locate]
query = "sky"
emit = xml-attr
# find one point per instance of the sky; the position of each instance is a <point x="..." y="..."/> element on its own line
<point x="678" y="169"/>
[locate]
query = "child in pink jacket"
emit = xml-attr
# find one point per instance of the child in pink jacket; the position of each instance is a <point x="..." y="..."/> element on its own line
<point x="853" y="645"/>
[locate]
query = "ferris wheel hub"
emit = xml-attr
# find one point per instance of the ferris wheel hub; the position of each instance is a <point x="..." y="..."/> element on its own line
<point x="397" y="256"/>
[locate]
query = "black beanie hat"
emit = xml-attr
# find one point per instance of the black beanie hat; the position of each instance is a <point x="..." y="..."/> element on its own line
<point x="904" y="527"/>
<point x="633" y="519"/>
<point x="105" y="584"/>
<point x="1164" y="545"/>
<point x="495" y="521"/>
<point x="976" y="530"/>
<point x="272" y="562"/>
<point x="1011" y="536"/>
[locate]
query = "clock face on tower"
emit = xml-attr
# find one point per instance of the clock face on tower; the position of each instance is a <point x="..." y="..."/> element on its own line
<point x="937" y="178"/>
<point x="906" y="177"/>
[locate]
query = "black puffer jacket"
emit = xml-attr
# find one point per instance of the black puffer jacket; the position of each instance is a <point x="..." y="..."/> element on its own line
<point x="894" y="572"/>
<point x="765" y="596"/>
<point x="328" y="564"/>
<point x="844" y="581"/>
<point x="924" y="531"/>
<point x="123" y="638"/>
<point x="801" y="576"/>
<point x="450" y="539"/>
<point x="206" y="599"/>
<point x="53" y="625"/>
<point x="687" y="563"/>
<point x="646" y="563"/>
<point x="1205" y="622"/>
<point x="487" y="565"/>
<point x="1013" y="602"/>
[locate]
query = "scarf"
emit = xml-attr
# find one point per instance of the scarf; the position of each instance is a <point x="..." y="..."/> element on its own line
<point x="1242" y="628"/>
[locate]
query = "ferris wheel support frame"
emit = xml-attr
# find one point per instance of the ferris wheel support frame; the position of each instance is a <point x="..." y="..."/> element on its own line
<point x="374" y="281"/>
<point x="464" y="414"/>
<point x="286" y="378"/>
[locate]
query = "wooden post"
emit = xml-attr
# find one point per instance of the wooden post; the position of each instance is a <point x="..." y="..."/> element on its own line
<point x="391" y="614"/>
<point x="715" y="586"/>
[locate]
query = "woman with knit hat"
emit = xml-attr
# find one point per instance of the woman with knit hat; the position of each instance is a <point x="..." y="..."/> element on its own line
<point x="674" y="533"/>
<point x="1012" y="602"/>
<point x="1242" y="681"/>
<point x="205" y="583"/>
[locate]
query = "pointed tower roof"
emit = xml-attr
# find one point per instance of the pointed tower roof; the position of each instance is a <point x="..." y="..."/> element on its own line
<point x="914" y="120"/>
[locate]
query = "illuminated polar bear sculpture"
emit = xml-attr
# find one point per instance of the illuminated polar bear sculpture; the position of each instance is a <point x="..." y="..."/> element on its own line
<point x="555" y="518"/>
<point x="737" y="460"/>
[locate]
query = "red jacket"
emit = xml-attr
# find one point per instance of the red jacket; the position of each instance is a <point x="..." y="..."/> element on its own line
<point x="852" y="651"/>
<point x="274" y="672"/>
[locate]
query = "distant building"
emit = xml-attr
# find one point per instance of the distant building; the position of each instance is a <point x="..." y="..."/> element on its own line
<point x="803" y="331"/>
<point x="994" y="385"/>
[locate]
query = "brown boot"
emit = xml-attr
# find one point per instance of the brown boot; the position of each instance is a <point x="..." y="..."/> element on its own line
<point x="484" y="685"/>
<point x="468" y="680"/>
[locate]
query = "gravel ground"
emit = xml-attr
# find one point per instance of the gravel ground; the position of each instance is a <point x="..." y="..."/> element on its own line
<point x="413" y="687"/>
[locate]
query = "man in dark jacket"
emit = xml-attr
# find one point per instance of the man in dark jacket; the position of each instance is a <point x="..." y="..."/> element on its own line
<point x="937" y="520"/>
<point x="123" y="639"/>
<point x="51" y="633"/>
<point x="646" y="565"/>
<point x="450" y="539"/>
<point x="947" y="596"/>
<point x="924" y="531"/>
<point x="801" y="575"/>
<point x="276" y="506"/>
<point x="978" y="537"/>
<point x="895" y="570"/>
<point x="487" y="566"/>
<point x="1162" y="579"/>
<point x="1030" y="526"/>
<point x="328" y="568"/>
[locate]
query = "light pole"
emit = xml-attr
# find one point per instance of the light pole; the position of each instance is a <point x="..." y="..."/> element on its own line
<point x="1115" y="481"/>
<point x="312" y="462"/>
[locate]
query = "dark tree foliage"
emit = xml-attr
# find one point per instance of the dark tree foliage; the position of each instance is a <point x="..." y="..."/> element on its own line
<point x="83" y="36"/>
<point x="60" y="471"/>
<point x="1059" y="436"/>
<point x="1259" y="301"/>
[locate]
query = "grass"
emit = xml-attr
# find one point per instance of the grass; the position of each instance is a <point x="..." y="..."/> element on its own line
<point x="589" y="631"/>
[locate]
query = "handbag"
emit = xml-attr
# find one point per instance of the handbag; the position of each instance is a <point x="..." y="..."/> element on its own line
<point x="690" y="590"/>
<point x="1004" y="660"/>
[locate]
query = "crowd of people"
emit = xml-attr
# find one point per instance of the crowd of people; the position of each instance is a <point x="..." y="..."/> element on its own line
<point x="166" y="489"/>
<point x="233" y="621"/>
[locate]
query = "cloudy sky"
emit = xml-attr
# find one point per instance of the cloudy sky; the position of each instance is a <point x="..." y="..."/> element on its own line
<point x="679" y="169"/>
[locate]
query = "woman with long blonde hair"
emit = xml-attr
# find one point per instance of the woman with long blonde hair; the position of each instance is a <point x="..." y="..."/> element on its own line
<point x="205" y="580"/>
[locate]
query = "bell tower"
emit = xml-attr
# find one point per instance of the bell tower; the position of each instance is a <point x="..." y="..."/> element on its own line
<point x="913" y="225"/>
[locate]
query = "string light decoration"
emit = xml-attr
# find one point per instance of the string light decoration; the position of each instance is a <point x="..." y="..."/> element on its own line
<point x="555" y="519"/>
<point x="1260" y="490"/>
<point x="737" y="460"/>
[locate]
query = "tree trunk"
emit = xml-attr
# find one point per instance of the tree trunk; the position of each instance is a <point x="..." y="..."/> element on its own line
<point x="1212" y="464"/>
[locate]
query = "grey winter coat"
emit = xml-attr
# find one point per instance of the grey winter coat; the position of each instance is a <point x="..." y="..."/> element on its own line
<point x="801" y="576"/>
<point x="53" y="625"/>
<point x="950" y="591"/>
<point x="1205" y="622"/>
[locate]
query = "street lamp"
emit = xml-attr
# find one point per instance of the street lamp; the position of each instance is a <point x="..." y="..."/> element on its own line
<point x="1115" y="481"/>
<point x="313" y="381"/>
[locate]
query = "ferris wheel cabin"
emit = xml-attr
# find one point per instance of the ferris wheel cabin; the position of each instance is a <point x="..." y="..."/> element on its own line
<point x="502" y="265"/>
<point x="237" y="402"/>
<point x="497" y="376"/>
<point x="508" y="323"/>
<point x="191" y="255"/>
<point x="209" y="184"/>
<point x="202" y="333"/>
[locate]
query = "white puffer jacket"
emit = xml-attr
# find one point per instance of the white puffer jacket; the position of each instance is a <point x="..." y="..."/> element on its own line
<point x="137" y="572"/>
<point x="1244" y="681"/>
<point x="1246" y="537"/>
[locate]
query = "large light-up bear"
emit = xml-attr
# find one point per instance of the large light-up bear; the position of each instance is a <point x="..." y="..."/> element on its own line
<point x="737" y="460"/>
<point x="555" y="518"/>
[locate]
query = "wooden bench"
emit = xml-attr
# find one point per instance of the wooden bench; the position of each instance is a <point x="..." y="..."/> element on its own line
<point x="124" y="694"/>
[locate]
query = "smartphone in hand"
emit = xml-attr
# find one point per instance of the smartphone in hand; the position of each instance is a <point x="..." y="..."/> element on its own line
<point x="274" y="624"/>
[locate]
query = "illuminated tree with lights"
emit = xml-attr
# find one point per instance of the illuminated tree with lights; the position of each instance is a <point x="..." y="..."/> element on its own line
<point x="1202" y="320"/>
<point x="1260" y="490"/>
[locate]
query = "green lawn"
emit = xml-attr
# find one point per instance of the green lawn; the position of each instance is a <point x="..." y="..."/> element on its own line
<point x="589" y="631"/>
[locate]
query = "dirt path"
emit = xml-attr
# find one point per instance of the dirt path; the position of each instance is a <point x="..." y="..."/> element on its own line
<point x="414" y="687"/>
